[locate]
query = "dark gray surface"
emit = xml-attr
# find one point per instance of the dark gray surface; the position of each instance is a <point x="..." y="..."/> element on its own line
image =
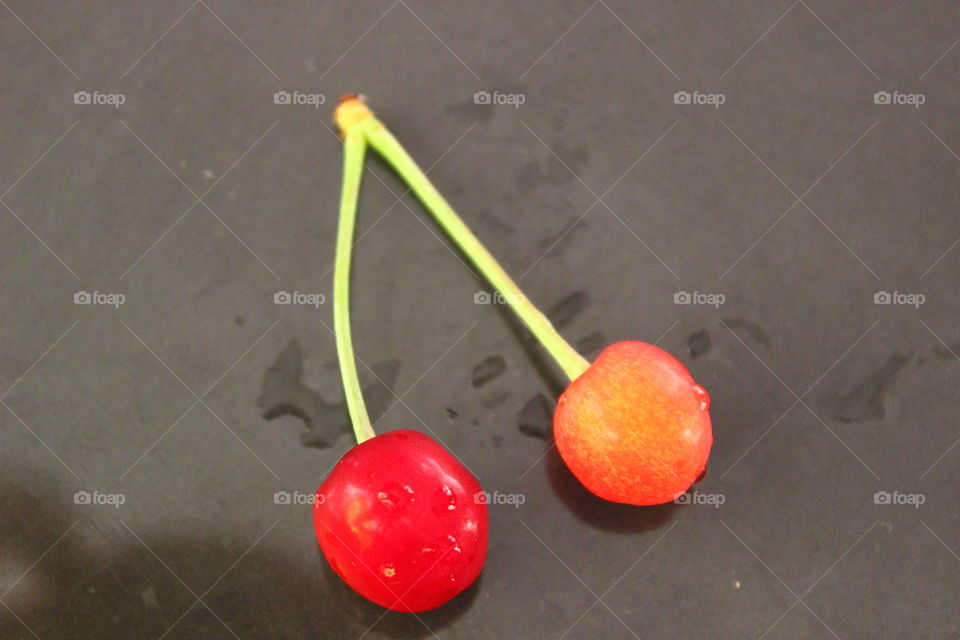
<point x="820" y="397"/>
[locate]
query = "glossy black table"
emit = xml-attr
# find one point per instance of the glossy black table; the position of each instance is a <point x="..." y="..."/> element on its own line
<point x="766" y="190"/>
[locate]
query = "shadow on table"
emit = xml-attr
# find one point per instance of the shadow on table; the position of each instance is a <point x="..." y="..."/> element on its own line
<point x="597" y="512"/>
<point x="99" y="582"/>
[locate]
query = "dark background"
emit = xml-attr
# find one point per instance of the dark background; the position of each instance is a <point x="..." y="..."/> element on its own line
<point x="199" y="198"/>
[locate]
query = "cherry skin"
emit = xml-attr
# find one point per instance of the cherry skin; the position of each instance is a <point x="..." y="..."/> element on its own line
<point x="402" y="522"/>
<point x="634" y="427"/>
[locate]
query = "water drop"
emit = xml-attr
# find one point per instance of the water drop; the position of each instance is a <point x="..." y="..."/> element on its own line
<point x="702" y="396"/>
<point x="444" y="500"/>
<point x="393" y="495"/>
<point x="455" y="548"/>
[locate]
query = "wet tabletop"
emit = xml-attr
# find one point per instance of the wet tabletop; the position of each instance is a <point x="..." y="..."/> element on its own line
<point x="768" y="191"/>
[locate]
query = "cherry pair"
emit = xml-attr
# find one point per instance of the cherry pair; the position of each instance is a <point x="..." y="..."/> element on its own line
<point x="398" y="517"/>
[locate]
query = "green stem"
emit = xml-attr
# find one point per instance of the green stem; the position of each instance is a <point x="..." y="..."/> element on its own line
<point x="572" y="363"/>
<point x="354" y="148"/>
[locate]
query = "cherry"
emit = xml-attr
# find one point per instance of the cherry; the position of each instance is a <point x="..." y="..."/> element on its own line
<point x="634" y="427"/>
<point x="400" y="520"/>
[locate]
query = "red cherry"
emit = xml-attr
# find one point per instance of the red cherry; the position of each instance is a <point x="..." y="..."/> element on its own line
<point x="402" y="522"/>
<point x="634" y="427"/>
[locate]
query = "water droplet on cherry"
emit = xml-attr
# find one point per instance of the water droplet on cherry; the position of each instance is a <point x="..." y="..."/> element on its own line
<point x="455" y="548"/>
<point x="444" y="500"/>
<point x="393" y="495"/>
<point x="702" y="396"/>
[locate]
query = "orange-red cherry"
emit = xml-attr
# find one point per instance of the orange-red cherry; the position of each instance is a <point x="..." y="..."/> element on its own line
<point x="634" y="427"/>
<point x="402" y="522"/>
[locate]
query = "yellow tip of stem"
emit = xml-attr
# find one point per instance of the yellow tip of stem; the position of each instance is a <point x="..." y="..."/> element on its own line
<point x="351" y="111"/>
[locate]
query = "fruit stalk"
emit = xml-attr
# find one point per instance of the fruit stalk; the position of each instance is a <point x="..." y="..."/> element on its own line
<point x="354" y="148"/>
<point x="572" y="363"/>
<point x="634" y="426"/>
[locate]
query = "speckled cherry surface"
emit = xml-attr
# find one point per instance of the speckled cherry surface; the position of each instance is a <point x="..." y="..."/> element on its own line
<point x="399" y="520"/>
<point x="634" y="427"/>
